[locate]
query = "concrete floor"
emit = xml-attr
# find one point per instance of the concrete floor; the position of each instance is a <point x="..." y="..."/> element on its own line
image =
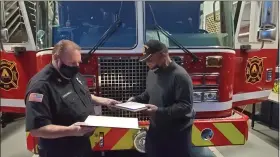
<point x="263" y="142"/>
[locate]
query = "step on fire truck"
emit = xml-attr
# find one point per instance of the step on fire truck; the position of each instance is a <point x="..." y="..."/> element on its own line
<point x="236" y="44"/>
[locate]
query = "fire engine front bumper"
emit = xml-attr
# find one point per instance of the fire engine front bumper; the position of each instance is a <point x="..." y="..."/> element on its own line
<point x="206" y="132"/>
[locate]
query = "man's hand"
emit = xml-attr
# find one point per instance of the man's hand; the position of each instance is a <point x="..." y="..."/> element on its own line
<point x="77" y="129"/>
<point x="131" y="99"/>
<point x="151" y="109"/>
<point x="110" y="102"/>
<point x="104" y="101"/>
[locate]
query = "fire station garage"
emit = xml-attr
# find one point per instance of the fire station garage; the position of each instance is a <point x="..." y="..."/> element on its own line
<point x="230" y="49"/>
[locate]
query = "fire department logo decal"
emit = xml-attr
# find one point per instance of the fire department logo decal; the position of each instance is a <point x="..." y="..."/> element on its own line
<point x="9" y="75"/>
<point x="254" y="70"/>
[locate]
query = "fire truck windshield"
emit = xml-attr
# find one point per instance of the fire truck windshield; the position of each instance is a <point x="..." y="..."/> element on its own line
<point x="191" y="23"/>
<point x="85" y="22"/>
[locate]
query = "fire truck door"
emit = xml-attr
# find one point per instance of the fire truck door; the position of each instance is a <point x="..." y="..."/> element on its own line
<point x="256" y="43"/>
<point x="18" y="56"/>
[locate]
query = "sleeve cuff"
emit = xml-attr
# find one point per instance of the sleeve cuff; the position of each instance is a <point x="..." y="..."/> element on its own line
<point x="160" y="110"/>
<point x="38" y="123"/>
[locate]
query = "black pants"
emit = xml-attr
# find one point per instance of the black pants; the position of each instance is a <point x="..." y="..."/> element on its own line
<point x="62" y="152"/>
<point x="176" y="144"/>
<point x="43" y="153"/>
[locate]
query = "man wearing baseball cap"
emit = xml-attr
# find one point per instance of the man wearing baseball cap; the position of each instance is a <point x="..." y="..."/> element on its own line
<point x="168" y="97"/>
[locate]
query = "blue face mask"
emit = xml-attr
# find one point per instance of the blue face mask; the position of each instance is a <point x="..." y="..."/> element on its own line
<point x="68" y="71"/>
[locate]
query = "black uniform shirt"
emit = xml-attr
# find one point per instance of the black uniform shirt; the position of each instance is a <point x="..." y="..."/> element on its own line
<point x="171" y="90"/>
<point x="51" y="99"/>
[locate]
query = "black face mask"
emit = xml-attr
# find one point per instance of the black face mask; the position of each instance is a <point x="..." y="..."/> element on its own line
<point x="68" y="71"/>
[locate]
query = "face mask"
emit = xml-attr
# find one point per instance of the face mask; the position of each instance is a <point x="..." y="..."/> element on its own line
<point x="68" y="71"/>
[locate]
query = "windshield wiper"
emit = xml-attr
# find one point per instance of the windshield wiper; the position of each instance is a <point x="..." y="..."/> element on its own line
<point x="164" y="32"/>
<point x="108" y="33"/>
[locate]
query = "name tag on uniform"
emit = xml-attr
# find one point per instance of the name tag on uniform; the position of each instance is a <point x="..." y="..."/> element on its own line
<point x="65" y="95"/>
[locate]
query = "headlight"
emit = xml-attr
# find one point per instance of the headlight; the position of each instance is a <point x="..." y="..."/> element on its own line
<point x="197" y="96"/>
<point x="207" y="96"/>
<point x="210" y="96"/>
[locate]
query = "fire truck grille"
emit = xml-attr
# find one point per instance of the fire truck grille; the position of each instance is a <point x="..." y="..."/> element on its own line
<point x="121" y="78"/>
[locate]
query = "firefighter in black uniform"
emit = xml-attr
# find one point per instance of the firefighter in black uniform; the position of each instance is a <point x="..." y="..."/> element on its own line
<point x="58" y="101"/>
<point x="168" y="96"/>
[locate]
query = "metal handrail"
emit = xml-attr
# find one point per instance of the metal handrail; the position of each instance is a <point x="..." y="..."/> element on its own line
<point x="11" y="14"/>
<point x="13" y="3"/>
<point x="15" y="28"/>
<point x="14" y="21"/>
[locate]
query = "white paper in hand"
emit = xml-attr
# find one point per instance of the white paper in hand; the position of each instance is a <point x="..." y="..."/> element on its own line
<point x="131" y="106"/>
<point x="112" y="122"/>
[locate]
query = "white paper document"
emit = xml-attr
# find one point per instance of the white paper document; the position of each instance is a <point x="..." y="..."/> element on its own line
<point x="131" y="106"/>
<point x="112" y="122"/>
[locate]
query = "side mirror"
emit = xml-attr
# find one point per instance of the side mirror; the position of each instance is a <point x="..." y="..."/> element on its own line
<point x="39" y="36"/>
<point x="268" y="14"/>
<point x="268" y="30"/>
<point x="4" y="35"/>
<point x="268" y="35"/>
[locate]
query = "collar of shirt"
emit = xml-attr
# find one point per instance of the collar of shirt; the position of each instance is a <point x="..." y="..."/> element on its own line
<point x="166" y="69"/>
<point x="56" y="75"/>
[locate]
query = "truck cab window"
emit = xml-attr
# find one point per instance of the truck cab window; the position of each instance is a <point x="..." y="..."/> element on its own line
<point x="85" y="23"/>
<point x="190" y="22"/>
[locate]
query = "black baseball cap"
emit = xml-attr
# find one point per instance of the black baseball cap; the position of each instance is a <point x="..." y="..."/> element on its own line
<point x="152" y="47"/>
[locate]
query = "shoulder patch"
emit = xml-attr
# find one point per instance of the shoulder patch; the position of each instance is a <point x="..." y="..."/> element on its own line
<point x="35" y="97"/>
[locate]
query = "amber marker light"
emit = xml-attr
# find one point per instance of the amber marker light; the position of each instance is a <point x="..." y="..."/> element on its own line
<point x="214" y="61"/>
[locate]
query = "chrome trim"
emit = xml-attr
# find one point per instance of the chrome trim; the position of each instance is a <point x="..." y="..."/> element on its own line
<point x="219" y="58"/>
<point x="269" y="71"/>
<point x="209" y="91"/>
<point x="201" y="95"/>
<point x="203" y="91"/>
<point x="204" y="75"/>
<point x="99" y="75"/>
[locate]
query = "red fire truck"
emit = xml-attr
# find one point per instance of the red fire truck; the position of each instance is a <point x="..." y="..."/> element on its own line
<point x="229" y="49"/>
